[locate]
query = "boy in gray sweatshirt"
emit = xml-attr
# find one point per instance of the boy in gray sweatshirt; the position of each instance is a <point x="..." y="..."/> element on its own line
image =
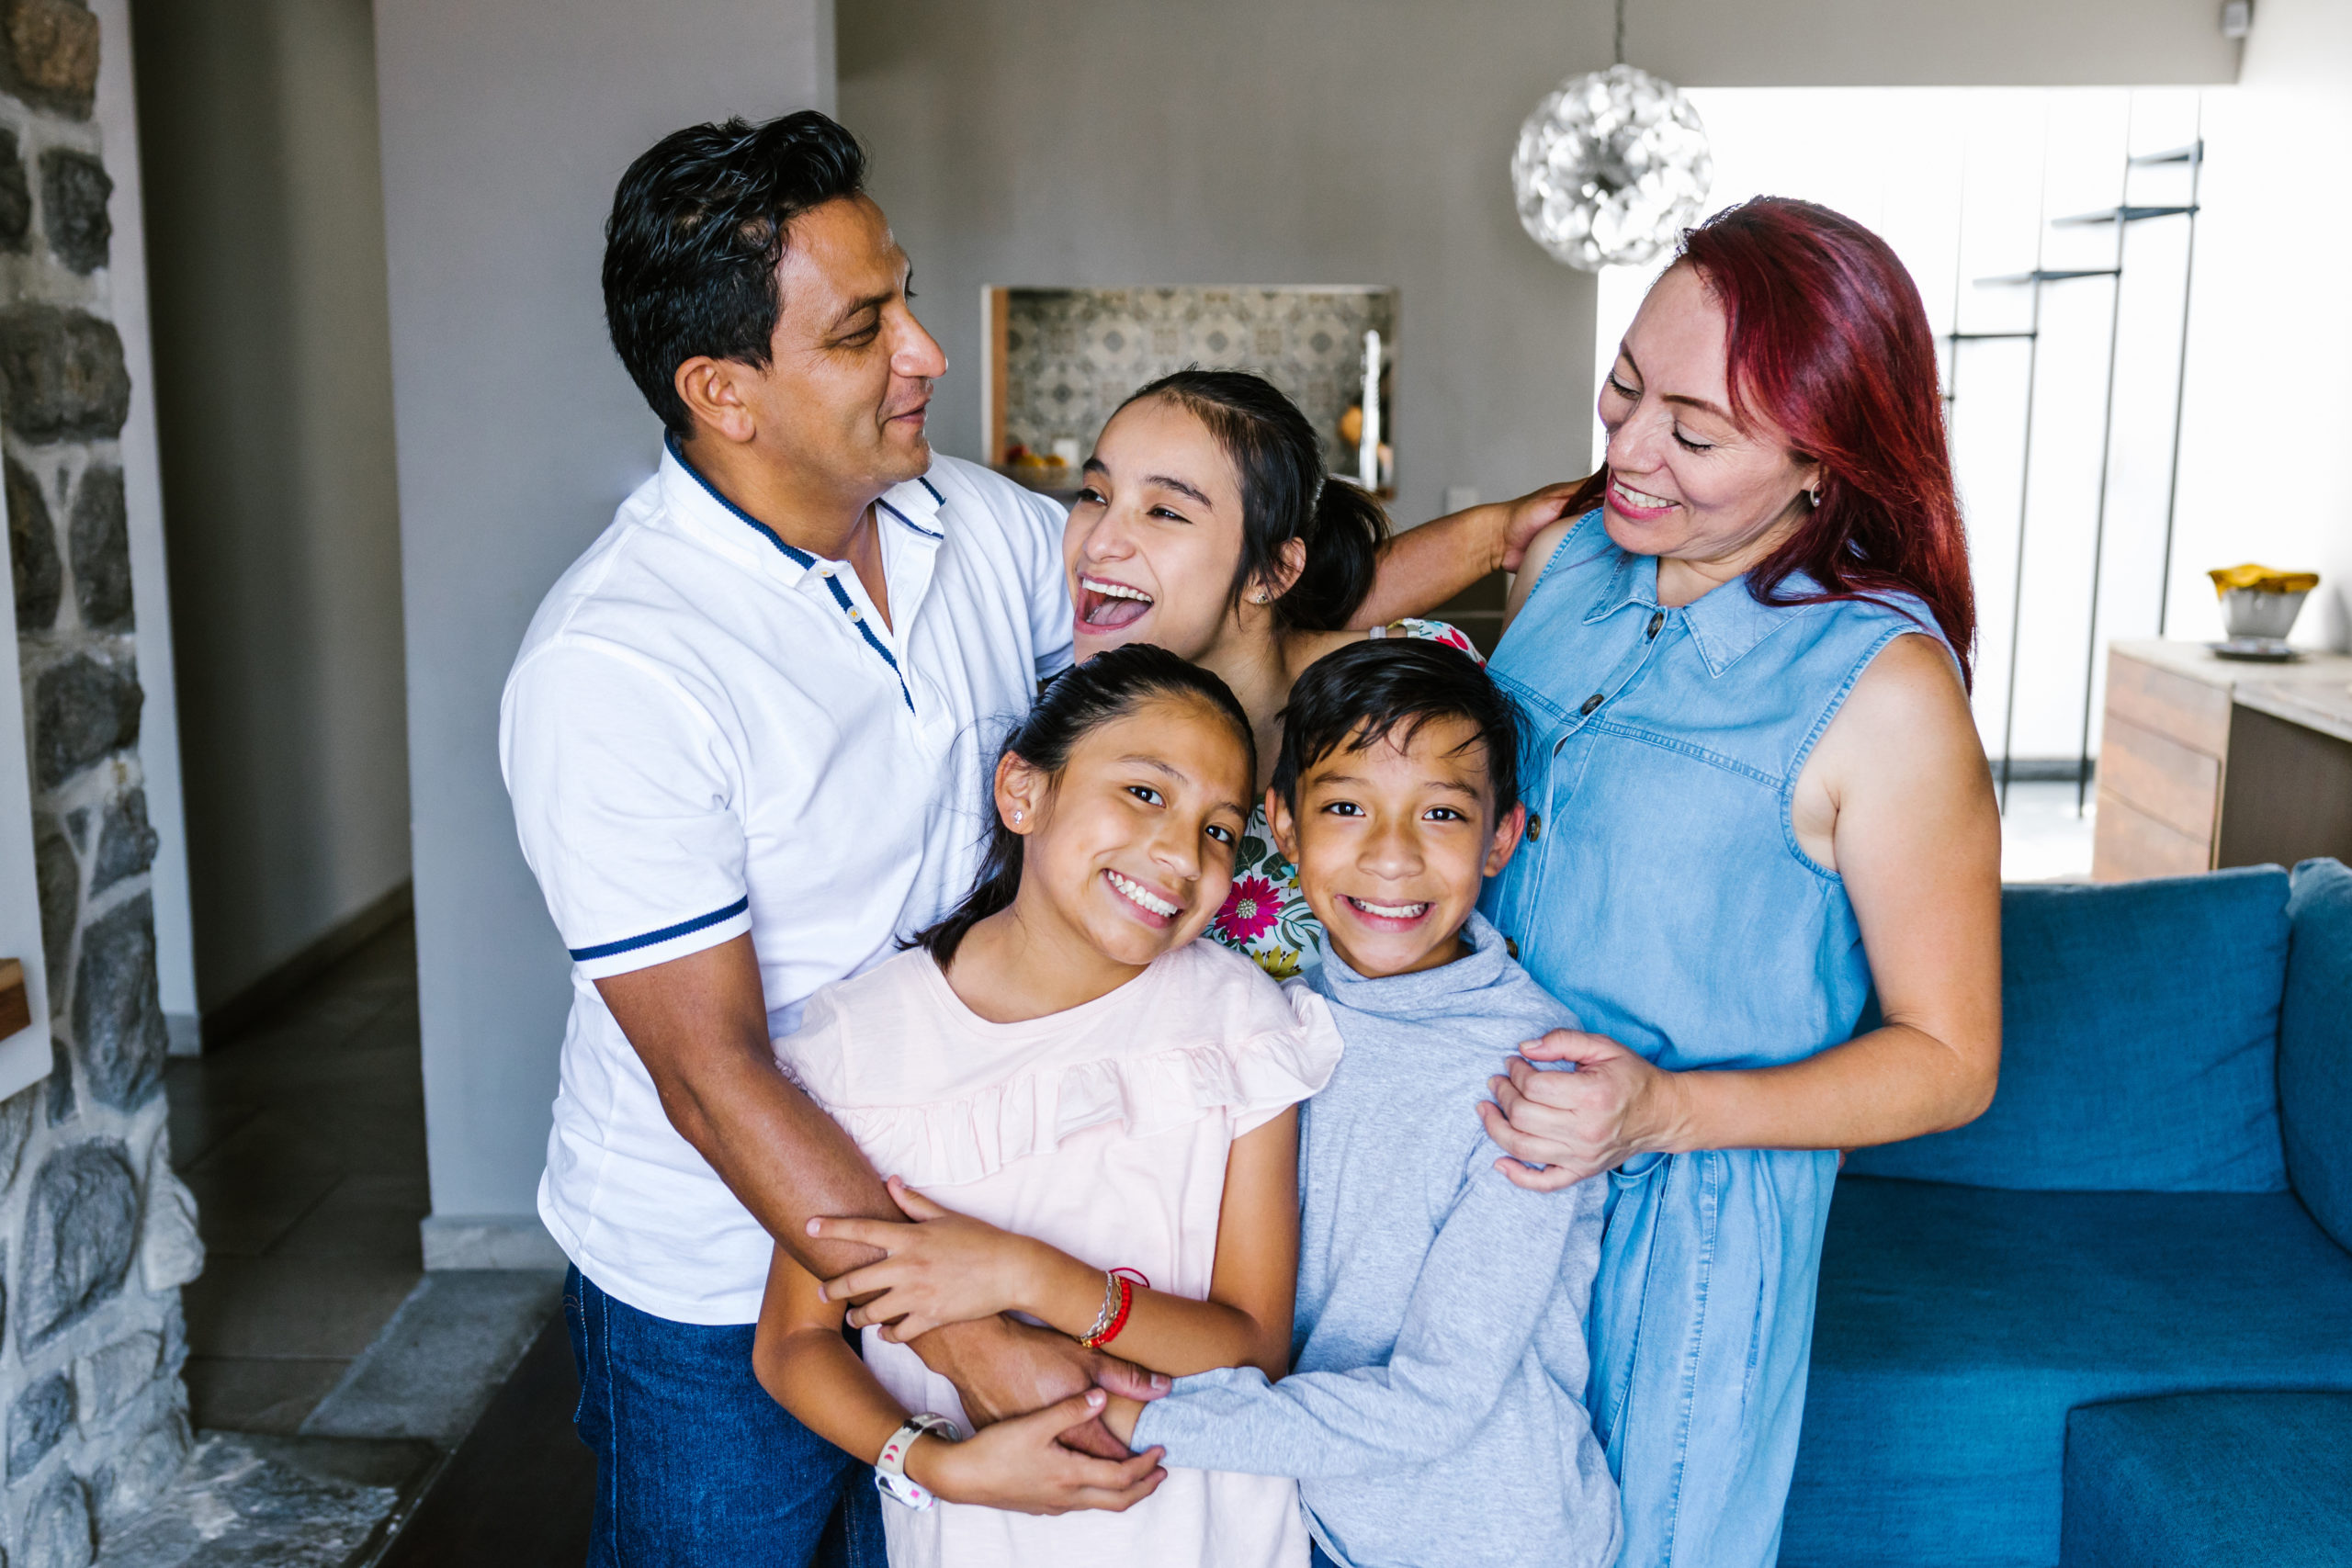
<point x="1435" y="1413"/>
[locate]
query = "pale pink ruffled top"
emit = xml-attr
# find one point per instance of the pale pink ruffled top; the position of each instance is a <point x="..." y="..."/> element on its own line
<point x="1103" y="1130"/>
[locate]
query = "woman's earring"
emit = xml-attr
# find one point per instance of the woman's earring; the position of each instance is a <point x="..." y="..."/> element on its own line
<point x="1812" y="498"/>
<point x="1259" y="597"/>
<point x="1016" y="819"/>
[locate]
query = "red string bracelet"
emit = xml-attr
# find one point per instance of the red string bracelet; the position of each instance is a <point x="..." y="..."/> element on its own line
<point x="1119" y="1317"/>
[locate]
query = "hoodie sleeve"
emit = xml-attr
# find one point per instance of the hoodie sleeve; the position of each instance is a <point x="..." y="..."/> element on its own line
<point x="1489" y="1274"/>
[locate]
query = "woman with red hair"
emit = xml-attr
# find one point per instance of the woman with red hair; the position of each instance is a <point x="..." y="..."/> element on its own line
<point x="1755" y="793"/>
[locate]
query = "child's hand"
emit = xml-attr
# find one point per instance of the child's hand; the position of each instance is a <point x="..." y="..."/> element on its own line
<point x="1020" y="1464"/>
<point x="942" y="1268"/>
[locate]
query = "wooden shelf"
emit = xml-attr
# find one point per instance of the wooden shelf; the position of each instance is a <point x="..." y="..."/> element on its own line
<point x="2208" y="761"/>
<point x="16" y="1002"/>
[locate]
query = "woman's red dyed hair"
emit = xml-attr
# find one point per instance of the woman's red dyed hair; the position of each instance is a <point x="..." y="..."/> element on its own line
<point x="1829" y="345"/>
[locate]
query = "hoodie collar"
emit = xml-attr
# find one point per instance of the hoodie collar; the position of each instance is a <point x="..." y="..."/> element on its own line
<point x="1426" y="995"/>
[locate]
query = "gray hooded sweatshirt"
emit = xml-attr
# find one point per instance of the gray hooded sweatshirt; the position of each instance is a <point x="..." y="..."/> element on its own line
<point x="1436" y="1413"/>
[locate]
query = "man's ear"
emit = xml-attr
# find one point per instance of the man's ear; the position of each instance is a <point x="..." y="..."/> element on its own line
<point x="1020" y="794"/>
<point x="712" y="390"/>
<point x="1506" y="840"/>
<point x="1284" y="826"/>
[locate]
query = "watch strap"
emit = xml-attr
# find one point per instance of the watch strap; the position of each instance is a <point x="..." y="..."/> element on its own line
<point x="891" y="1476"/>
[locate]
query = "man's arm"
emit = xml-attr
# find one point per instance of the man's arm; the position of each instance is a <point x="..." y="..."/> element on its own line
<point x="1422" y="568"/>
<point x="699" y="1023"/>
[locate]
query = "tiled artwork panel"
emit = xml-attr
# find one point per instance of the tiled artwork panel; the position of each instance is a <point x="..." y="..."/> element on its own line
<point x="1073" y="354"/>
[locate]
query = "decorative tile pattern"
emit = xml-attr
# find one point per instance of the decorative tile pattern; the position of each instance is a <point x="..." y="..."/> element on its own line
<point x="1073" y="354"/>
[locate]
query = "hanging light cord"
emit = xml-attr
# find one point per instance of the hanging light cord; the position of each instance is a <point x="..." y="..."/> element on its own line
<point x="1621" y="32"/>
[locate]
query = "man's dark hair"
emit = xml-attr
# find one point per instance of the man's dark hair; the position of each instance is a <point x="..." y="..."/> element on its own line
<point x="1384" y="687"/>
<point x="699" y="223"/>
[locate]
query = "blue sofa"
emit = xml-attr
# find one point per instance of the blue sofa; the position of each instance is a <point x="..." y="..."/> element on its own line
<point x="2111" y="1322"/>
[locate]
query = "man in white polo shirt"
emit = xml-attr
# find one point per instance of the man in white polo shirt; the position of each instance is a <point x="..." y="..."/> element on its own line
<point x="746" y="739"/>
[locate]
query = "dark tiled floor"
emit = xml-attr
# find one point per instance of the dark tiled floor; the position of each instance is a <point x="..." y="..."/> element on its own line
<point x="304" y="1143"/>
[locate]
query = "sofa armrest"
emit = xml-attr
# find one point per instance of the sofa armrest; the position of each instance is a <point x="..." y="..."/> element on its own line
<point x="2315" y="1044"/>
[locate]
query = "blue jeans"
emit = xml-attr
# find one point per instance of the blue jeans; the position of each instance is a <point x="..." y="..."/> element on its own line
<point x="696" y="1466"/>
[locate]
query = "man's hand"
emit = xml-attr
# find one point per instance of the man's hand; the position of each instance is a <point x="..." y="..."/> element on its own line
<point x="1531" y="515"/>
<point x="1001" y="1369"/>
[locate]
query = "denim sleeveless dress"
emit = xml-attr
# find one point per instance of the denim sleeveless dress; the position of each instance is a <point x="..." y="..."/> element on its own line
<point x="1661" y="894"/>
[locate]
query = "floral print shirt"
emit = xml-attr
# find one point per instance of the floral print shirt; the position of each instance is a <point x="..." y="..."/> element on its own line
<point x="1265" y="917"/>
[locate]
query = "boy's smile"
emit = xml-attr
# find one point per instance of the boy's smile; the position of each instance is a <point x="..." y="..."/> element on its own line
<point x="1394" y="841"/>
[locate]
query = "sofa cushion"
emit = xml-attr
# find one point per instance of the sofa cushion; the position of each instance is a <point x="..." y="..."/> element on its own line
<point x="2138" y="1042"/>
<point x="2209" y="1481"/>
<point x="1958" y="1325"/>
<point x="2315" y="1044"/>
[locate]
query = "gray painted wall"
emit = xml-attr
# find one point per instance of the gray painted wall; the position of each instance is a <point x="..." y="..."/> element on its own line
<point x="504" y="129"/>
<point x="1014" y="142"/>
<point x="273" y="385"/>
<point x="1128" y="142"/>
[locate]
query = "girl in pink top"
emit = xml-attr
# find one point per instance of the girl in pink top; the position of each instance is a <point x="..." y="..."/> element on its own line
<point x="1089" y="1117"/>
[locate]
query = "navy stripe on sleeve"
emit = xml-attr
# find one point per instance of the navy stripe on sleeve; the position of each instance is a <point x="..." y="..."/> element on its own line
<point x="684" y="928"/>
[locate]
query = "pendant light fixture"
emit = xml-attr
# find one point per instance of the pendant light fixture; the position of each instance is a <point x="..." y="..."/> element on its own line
<point x="1611" y="166"/>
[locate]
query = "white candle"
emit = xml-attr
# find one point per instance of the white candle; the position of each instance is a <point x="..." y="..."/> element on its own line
<point x="1368" y="442"/>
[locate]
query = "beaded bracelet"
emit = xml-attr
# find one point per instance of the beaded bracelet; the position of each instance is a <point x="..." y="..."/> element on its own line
<point x="1119" y="1287"/>
<point x="1110" y="1306"/>
<point x="1103" y="1335"/>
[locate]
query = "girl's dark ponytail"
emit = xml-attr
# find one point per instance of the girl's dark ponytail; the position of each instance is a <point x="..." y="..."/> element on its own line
<point x="1343" y="541"/>
<point x="1286" y="496"/>
<point x="1076" y="703"/>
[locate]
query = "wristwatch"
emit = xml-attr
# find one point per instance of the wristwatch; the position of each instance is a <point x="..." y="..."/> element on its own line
<point x="891" y="1476"/>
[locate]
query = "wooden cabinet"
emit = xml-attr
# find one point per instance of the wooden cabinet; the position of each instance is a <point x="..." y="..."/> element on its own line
<point x="2207" y="761"/>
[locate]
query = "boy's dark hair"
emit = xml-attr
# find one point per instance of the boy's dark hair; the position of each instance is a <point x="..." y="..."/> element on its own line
<point x="698" y="224"/>
<point x="1076" y="703"/>
<point x="1382" y="687"/>
<point x="1286" y="496"/>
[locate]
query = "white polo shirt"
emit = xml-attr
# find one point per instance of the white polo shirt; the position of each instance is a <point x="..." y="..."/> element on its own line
<point x="709" y="732"/>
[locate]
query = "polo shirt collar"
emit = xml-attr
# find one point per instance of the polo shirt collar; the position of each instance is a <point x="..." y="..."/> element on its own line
<point x="692" y="498"/>
<point x="1725" y="623"/>
<point x="914" y="506"/>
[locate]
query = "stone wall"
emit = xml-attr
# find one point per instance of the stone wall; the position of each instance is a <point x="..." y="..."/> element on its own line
<point x="96" y="1234"/>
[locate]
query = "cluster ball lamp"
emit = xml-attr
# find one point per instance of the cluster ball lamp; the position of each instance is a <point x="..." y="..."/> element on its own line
<point x="1610" y="167"/>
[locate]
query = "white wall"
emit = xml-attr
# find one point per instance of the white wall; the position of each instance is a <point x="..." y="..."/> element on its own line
<point x="2266" y="470"/>
<point x="273" y="385"/>
<point x="1123" y="141"/>
<point x="504" y="129"/>
<point x="159" y="724"/>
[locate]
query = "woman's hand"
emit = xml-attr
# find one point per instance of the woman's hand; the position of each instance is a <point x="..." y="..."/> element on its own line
<point x="1023" y="1465"/>
<point x="1576" y="1125"/>
<point x="942" y="1267"/>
